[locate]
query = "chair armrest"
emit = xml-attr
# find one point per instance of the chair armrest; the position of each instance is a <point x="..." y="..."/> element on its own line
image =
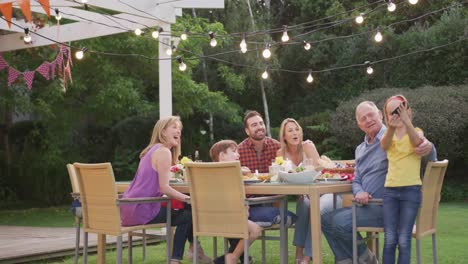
<point x="375" y="201"/>
<point x="75" y="195"/>
<point x="264" y="199"/>
<point x="142" y="200"/>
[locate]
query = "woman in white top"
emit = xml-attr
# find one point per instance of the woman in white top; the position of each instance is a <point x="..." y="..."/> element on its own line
<point x="294" y="148"/>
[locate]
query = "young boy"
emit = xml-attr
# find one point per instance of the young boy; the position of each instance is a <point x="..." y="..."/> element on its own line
<point x="226" y="150"/>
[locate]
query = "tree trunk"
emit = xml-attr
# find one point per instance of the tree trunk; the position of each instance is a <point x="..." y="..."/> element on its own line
<point x="262" y="84"/>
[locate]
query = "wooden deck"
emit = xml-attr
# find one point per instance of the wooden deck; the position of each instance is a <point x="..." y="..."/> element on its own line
<point x="20" y="244"/>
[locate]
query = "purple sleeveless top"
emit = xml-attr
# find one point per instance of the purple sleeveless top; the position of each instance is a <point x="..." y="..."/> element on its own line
<point x="145" y="184"/>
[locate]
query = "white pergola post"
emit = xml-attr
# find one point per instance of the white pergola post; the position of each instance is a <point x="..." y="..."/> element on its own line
<point x="165" y="76"/>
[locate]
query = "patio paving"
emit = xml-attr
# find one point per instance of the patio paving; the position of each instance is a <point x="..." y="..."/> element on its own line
<point x="19" y="244"/>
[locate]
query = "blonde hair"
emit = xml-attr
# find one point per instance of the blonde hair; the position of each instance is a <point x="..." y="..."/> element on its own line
<point x="158" y="137"/>
<point x="400" y="98"/>
<point x="221" y="146"/>
<point x="283" y="142"/>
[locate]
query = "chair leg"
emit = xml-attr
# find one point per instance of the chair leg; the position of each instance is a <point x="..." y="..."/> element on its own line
<point x="377" y="247"/>
<point x="85" y="248"/>
<point x="246" y="251"/>
<point x="225" y="246"/>
<point x="215" y="247"/>
<point x="263" y="247"/>
<point x="283" y="233"/>
<point x="355" y="257"/>
<point x="119" y="250"/>
<point x="434" y="248"/>
<point x="143" y="242"/>
<point x="130" y="247"/>
<point x="195" y="251"/>
<point x="77" y="239"/>
<point x="418" y="251"/>
<point x="169" y="234"/>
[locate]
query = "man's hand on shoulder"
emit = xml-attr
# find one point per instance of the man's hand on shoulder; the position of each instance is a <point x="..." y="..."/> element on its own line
<point x="362" y="197"/>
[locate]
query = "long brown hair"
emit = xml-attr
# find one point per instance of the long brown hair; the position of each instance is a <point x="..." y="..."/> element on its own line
<point x="157" y="136"/>
<point x="284" y="145"/>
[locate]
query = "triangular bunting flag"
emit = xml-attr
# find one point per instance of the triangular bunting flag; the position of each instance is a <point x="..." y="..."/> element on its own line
<point x="6" y="9"/>
<point x="13" y="74"/>
<point x="28" y="78"/>
<point x="3" y="63"/>
<point x="45" y="5"/>
<point x="53" y="66"/>
<point x="25" y="6"/>
<point x="44" y="70"/>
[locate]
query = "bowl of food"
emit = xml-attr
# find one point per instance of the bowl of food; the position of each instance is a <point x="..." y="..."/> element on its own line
<point x="303" y="177"/>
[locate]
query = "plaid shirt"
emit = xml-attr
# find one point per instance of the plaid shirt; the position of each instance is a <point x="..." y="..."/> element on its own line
<point x="262" y="160"/>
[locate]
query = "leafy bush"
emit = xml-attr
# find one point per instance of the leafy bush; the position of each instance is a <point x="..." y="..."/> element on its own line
<point x="440" y="111"/>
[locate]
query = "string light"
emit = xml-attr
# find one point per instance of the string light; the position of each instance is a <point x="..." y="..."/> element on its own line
<point x="391" y="6"/>
<point x="243" y="44"/>
<point x="183" y="36"/>
<point x="156" y="33"/>
<point x="359" y="19"/>
<point x="285" y="36"/>
<point x="213" y="41"/>
<point x="182" y="65"/>
<point x="57" y="15"/>
<point x="80" y="53"/>
<point x="265" y="74"/>
<point x="307" y="45"/>
<point x="266" y="52"/>
<point x="138" y="32"/>
<point x="84" y="1"/>
<point x="27" y="37"/>
<point x="413" y="2"/>
<point x="310" y="79"/>
<point x="171" y="50"/>
<point x="369" y="69"/>
<point x="378" y="36"/>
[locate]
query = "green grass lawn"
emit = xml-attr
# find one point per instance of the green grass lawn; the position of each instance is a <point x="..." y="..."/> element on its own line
<point x="452" y="236"/>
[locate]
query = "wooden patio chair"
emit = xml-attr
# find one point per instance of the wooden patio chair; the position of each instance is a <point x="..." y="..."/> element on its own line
<point x="101" y="212"/>
<point x="219" y="205"/>
<point x="426" y="220"/>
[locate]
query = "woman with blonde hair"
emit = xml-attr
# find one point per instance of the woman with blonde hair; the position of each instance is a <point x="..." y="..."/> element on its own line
<point x="294" y="148"/>
<point x="152" y="180"/>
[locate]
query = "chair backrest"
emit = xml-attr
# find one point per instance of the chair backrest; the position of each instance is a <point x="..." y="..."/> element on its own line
<point x="217" y="197"/>
<point x="73" y="178"/>
<point x="98" y="198"/>
<point x="431" y="188"/>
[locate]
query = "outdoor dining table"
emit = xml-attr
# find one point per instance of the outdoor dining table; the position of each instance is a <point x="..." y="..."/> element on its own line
<point x="314" y="191"/>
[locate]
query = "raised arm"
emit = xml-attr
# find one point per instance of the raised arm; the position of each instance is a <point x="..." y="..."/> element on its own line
<point x="161" y="161"/>
<point x="414" y="136"/>
<point x="386" y="140"/>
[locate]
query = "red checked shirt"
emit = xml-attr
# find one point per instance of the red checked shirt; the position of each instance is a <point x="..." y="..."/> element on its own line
<point x="254" y="160"/>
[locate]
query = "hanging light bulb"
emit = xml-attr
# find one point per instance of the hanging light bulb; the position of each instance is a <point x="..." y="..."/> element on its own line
<point x="156" y="33"/>
<point x="391" y="6"/>
<point x="183" y="36"/>
<point x="170" y="50"/>
<point x="182" y="65"/>
<point x="359" y="19"/>
<point x="266" y="52"/>
<point x="309" y="77"/>
<point x="378" y="36"/>
<point x="413" y="2"/>
<point x="57" y="15"/>
<point x="243" y="45"/>
<point x="80" y="53"/>
<point x="369" y="68"/>
<point x="285" y="36"/>
<point x="265" y="74"/>
<point x="307" y="45"/>
<point x="138" y="32"/>
<point x="213" y="41"/>
<point x="27" y="37"/>
<point x="84" y="1"/>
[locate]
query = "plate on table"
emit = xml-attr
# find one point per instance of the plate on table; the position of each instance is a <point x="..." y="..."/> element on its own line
<point x="251" y="181"/>
<point x="331" y="179"/>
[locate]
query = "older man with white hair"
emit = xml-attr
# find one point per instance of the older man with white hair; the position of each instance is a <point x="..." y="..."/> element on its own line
<point x="370" y="171"/>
